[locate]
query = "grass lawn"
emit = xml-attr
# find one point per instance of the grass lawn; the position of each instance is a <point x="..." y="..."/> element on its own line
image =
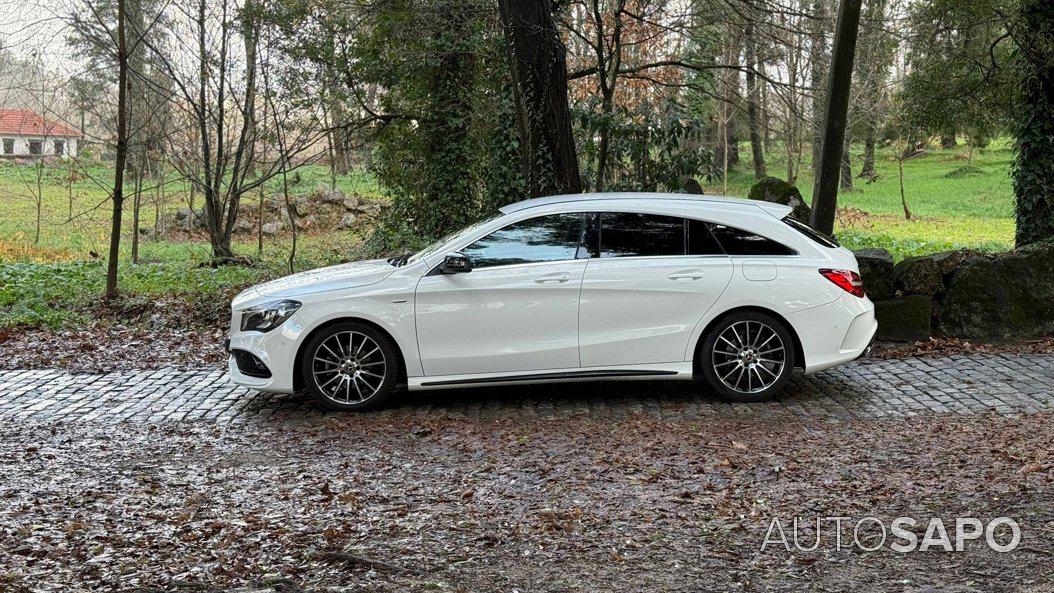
<point x="56" y="282"/>
<point x="956" y="202"/>
<point x="76" y="215"/>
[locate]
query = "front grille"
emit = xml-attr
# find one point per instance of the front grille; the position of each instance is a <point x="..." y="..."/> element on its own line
<point x="250" y="365"/>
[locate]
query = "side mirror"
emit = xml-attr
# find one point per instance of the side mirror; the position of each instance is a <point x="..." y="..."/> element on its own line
<point x="456" y="263"/>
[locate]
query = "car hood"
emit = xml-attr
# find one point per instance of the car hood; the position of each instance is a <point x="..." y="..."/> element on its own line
<point x="348" y="275"/>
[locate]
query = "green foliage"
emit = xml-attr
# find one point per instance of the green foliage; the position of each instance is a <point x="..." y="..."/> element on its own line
<point x="647" y="152"/>
<point x="1034" y="124"/>
<point x="902" y="247"/>
<point x="960" y="78"/>
<point x="456" y="159"/>
<point x="67" y="294"/>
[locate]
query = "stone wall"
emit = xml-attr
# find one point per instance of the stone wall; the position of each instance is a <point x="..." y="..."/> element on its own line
<point x="320" y="209"/>
<point x="962" y="294"/>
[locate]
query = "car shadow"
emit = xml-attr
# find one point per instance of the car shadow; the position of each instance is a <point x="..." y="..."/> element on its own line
<point x="586" y="394"/>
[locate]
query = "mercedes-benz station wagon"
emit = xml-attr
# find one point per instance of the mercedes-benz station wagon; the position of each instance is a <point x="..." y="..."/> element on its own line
<point x="732" y="292"/>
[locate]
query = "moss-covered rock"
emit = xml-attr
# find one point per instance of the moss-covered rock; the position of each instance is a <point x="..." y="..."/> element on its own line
<point x="949" y="261"/>
<point x="876" y="269"/>
<point x="691" y="186"/>
<point x="1010" y="295"/>
<point x="905" y="319"/>
<point x="919" y="275"/>
<point x="772" y="189"/>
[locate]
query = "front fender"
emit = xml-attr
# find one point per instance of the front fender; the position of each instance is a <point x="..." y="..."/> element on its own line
<point x="388" y="305"/>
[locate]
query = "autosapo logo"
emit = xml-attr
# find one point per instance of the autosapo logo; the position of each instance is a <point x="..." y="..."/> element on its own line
<point x="870" y="534"/>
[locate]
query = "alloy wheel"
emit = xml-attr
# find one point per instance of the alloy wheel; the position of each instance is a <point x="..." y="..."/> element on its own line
<point x="748" y="356"/>
<point x="349" y="367"/>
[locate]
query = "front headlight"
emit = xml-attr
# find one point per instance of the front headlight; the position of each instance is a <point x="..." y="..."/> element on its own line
<point x="265" y="317"/>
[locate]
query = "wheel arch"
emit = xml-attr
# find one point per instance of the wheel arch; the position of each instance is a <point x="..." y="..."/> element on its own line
<point x="298" y="380"/>
<point x="799" y="352"/>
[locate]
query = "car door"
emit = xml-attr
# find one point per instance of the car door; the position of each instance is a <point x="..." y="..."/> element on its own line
<point x="517" y="310"/>
<point x="651" y="279"/>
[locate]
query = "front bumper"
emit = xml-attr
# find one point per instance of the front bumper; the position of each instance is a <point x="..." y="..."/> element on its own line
<point x="276" y="350"/>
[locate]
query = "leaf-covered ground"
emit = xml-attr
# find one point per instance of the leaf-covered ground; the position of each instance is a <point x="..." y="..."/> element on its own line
<point x="167" y="341"/>
<point x="382" y="503"/>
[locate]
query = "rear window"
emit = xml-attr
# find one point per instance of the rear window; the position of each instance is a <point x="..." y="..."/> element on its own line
<point x="811" y="233"/>
<point x="739" y="242"/>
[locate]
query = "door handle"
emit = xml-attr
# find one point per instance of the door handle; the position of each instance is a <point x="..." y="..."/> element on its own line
<point x="556" y="277"/>
<point x="686" y="275"/>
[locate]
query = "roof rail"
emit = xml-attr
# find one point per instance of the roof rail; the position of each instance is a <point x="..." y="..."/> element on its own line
<point x="777" y="209"/>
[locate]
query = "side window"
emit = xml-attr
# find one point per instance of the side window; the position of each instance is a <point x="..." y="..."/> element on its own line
<point x="740" y="242"/>
<point x="700" y="240"/>
<point x="9" y="146"/>
<point x="626" y="234"/>
<point x="546" y="238"/>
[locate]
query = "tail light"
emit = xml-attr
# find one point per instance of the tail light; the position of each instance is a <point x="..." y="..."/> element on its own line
<point x="847" y="280"/>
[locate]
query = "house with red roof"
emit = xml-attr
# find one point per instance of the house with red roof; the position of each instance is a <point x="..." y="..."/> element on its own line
<point x="23" y="133"/>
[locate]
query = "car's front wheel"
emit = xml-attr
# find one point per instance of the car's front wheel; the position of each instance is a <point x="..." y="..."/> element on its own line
<point x="747" y="356"/>
<point x="350" y="366"/>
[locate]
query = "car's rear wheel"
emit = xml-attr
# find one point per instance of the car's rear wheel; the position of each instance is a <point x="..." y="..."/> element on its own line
<point x="350" y="366"/>
<point x="747" y="356"/>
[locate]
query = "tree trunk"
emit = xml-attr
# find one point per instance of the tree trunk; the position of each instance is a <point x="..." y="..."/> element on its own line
<point x="339" y="135"/>
<point x="1034" y="125"/>
<point x="825" y="190"/>
<point x="867" y="170"/>
<point x="948" y="139"/>
<point x="121" y="156"/>
<point x="539" y="61"/>
<point x="733" y="143"/>
<point x="847" y="170"/>
<point x="818" y="77"/>
<point x="137" y="200"/>
<point x="292" y="220"/>
<point x="39" y="197"/>
<point x="603" y="145"/>
<point x="765" y="112"/>
<point x="259" y="224"/>
<point x="726" y="154"/>
<point x="69" y="185"/>
<point x="756" y="149"/>
<point x="793" y="116"/>
<point x="903" y="199"/>
<point x="159" y="200"/>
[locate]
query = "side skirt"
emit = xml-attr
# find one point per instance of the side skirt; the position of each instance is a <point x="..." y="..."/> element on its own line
<point x="673" y="371"/>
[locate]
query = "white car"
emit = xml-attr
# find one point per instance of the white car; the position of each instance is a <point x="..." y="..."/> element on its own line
<point x="587" y="286"/>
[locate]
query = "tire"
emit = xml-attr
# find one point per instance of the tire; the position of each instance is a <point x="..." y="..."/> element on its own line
<point x="342" y="375"/>
<point x="746" y="370"/>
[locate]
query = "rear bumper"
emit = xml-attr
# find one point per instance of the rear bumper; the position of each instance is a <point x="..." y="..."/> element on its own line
<point x="867" y="350"/>
<point x="835" y="333"/>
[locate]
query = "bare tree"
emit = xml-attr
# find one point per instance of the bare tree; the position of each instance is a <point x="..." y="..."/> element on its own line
<point x="754" y="100"/>
<point x="122" y="153"/>
<point x="216" y="91"/>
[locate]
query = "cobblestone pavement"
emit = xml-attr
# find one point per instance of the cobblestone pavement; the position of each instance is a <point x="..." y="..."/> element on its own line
<point x="1006" y="384"/>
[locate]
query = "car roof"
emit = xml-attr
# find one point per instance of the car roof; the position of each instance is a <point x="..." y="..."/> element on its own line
<point x="778" y="210"/>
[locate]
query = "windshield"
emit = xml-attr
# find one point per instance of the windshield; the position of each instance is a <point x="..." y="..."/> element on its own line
<point x="436" y="245"/>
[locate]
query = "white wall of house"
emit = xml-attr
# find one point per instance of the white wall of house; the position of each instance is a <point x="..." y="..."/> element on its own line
<point x="19" y="146"/>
